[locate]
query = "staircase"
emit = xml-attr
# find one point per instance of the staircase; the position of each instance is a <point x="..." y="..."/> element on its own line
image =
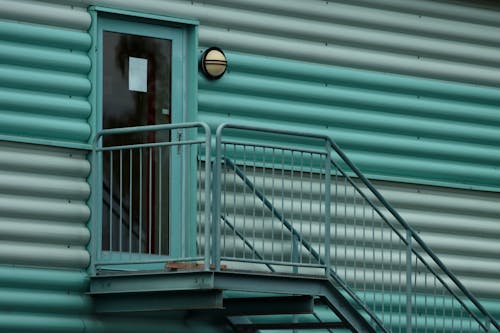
<point x="298" y="240"/>
<point x="301" y="205"/>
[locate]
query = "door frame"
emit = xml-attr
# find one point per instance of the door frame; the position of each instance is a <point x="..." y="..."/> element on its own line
<point x="184" y="71"/>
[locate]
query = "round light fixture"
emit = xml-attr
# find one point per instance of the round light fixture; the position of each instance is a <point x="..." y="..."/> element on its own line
<point x="213" y="63"/>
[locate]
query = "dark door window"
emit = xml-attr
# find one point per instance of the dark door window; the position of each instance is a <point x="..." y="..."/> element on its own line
<point x="136" y="92"/>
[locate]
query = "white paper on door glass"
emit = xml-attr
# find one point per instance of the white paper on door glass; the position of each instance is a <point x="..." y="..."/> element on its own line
<point x="137" y="74"/>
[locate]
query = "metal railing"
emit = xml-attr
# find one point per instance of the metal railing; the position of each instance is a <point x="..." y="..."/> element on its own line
<point x="147" y="190"/>
<point x="273" y="201"/>
<point x="299" y="205"/>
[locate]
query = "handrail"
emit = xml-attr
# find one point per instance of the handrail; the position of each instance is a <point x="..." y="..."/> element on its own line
<point x="372" y="189"/>
<point x="304" y="243"/>
<point x="205" y="141"/>
<point x="415" y="236"/>
<point x="257" y="253"/>
<point x="404" y="240"/>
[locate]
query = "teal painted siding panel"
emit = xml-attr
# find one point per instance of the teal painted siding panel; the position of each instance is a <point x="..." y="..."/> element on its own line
<point x="43" y="83"/>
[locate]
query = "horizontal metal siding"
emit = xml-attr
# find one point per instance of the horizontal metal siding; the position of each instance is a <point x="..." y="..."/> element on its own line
<point x="459" y="26"/>
<point x="392" y="126"/>
<point x="409" y="91"/>
<point x="43" y="214"/>
<point x="43" y="72"/>
<point x="460" y="46"/>
<point x="43" y="217"/>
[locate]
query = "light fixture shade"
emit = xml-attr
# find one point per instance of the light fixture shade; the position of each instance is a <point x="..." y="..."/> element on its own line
<point x="213" y="63"/>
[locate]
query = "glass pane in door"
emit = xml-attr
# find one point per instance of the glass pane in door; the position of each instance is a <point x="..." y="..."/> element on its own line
<point x="136" y="92"/>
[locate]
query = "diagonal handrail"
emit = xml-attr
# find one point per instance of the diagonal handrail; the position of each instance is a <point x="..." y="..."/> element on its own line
<point x="409" y="230"/>
<point x="304" y="242"/>
<point x="420" y="242"/>
<point x="258" y="255"/>
<point x="405" y="241"/>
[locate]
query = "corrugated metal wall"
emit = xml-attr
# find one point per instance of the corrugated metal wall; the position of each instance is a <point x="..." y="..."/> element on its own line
<point x="43" y="73"/>
<point x="43" y="218"/>
<point x="409" y="88"/>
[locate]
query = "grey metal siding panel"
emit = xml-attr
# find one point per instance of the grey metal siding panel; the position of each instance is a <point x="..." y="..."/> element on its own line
<point x="43" y="217"/>
<point x="43" y="214"/>
<point x="392" y="126"/>
<point x="412" y="42"/>
<point x="43" y="12"/>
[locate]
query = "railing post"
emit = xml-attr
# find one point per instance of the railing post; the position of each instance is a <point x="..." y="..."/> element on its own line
<point x="208" y="203"/>
<point x="295" y="253"/>
<point x="408" y="281"/>
<point x="328" y="181"/>
<point x="216" y="201"/>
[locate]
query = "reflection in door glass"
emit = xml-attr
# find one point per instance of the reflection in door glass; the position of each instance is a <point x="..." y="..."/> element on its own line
<point x="136" y="92"/>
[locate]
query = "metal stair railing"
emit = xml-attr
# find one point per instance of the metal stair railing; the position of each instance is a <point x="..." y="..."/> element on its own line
<point x="296" y="237"/>
<point x="135" y="170"/>
<point x="379" y="260"/>
<point x="258" y="255"/>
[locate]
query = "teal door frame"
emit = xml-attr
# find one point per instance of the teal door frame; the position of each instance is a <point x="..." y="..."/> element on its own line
<point x="183" y="34"/>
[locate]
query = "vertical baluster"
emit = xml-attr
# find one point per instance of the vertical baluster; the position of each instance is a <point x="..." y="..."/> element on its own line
<point x="111" y="175"/>
<point x="373" y="260"/>
<point x="120" y="223"/>
<point x="336" y="218"/>
<point x="391" y="276"/>
<point x="199" y="168"/>
<point x="364" y="250"/>
<point x="282" y="202"/>
<point x="434" y="290"/>
<point x="272" y="201"/>
<point x="208" y="198"/>
<point x="301" y="215"/>
<point x="354" y="227"/>
<point x="234" y="203"/>
<point x="254" y="196"/>
<point x="435" y="304"/>
<point x="292" y="220"/>
<point x="425" y="301"/>
<point x="382" y="249"/>
<point x="160" y="183"/>
<point x="408" y="281"/>
<point x="141" y="190"/>
<point x="400" y="291"/>
<point x="452" y="313"/>
<point x="244" y="197"/>
<point x="264" y="174"/>
<point x="311" y="198"/>
<point x="130" y="207"/>
<point x="328" y="188"/>
<point x="444" y="310"/>
<point x="150" y="199"/>
<point x="224" y="204"/>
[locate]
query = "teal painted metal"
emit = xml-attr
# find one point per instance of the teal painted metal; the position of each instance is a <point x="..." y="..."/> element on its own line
<point x="441" y="21"/>
<point x="420" y="260"/>
<point x="188" y="152"/>
<point x="44" y="84"/>
<point x="170" y="20"/>
<point x="394" y="127"/>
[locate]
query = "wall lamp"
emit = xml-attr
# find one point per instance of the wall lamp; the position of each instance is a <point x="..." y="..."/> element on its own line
<point x="213" y="63"/>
